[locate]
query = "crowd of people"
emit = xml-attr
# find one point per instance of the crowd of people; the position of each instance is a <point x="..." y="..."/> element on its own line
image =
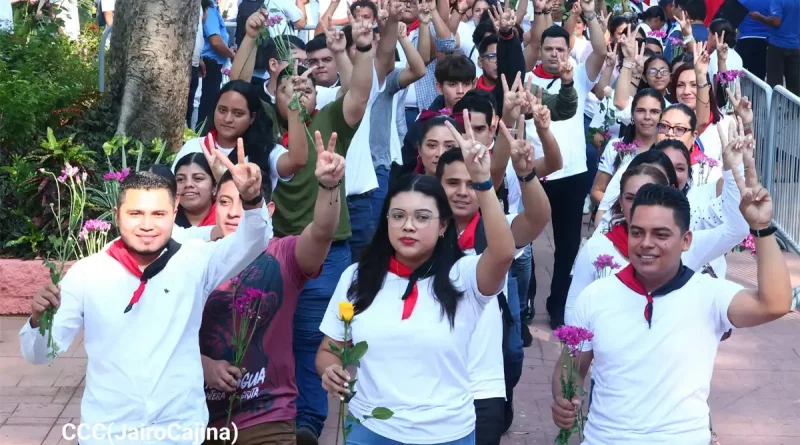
<point x="404" y="163"/>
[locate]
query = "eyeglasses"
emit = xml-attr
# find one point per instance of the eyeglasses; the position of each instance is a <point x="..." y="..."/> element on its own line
<point x="661" y="72"/>
<point x="677" y="131"/>
<point x="421" y="219"/>
<point x="491" y="57"/>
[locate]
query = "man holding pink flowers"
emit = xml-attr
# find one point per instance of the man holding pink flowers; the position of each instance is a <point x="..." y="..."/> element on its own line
<point x="655" y="325"/>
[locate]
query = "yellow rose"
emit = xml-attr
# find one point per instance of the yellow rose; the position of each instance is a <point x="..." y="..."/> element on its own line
<point x="346" y="311"/>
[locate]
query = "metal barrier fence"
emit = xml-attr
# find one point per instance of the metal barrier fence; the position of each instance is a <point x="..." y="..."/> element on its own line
<point x="783" y="158"/>
<point x="101" y="63"/>
<point x="760" y="95"/>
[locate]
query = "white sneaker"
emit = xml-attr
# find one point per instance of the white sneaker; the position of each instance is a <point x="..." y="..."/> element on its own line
<point x="586" y="204"/>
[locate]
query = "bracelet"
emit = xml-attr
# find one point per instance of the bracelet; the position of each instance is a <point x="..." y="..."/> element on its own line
<point x="482" y="186"/>
<point x="568" y="84"/>
<point x="688" y="39"/>
<point x="331" y="188"/>
<point x="629" y="65"/>
<point x="529" y="177"/>
<point x="760" y="233"/>
<point x="702" y="85"/>
<point x="590" y="16"/>
<point x="364" y="49"/>
<point x="748" y="126"/>
<point x="252" y="202"/>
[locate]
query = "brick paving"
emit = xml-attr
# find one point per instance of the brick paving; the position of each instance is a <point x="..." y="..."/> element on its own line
<point x="755" y="388"/>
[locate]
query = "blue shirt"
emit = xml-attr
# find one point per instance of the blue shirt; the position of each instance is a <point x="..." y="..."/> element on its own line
<point x="786" y="35"/>
<point x="215" y="25"/>
<point x="699" y="32"/>
<point x="753" y="28"/>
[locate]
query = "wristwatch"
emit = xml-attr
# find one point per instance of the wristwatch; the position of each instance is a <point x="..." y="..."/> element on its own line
<point x="482" y="186"/>
<point x="760" y="233"/>
<point x="529" y="177"/>
<point x="364" y="49"/>
<point x="254" y="201"/>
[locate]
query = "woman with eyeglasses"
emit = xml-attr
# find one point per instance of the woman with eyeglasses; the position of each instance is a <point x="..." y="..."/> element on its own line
<point x="709" y="243"/>
<point x="638" y="72"/>
<point x="417" y="299"/>
<point x="648" y="104"/>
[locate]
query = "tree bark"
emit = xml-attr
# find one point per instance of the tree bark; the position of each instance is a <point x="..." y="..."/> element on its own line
<point x="150" y="55"/>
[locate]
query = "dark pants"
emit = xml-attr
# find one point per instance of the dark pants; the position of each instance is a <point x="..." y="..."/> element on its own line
<point x="754" y="56"/>
<point x="361" y="223"/>
<point x="208" y="101"/>
<point x="592" y="155"/>
<point x="566" y="197"/>
<point x="489" y="421"/>
<point x="192" y="91"/>
<point x="783" y="63"/>
<point x="513" y="355"/>
<point x="312" y="400"/>
<point x="378" y="195"/>
<point x="521" y="272"/>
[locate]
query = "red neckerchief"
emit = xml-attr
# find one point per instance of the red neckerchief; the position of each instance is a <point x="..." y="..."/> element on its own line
<point x="209" y="144"/>
<point x="618" y="236"/>
<point x="403" y="271"/>
<point x="628" y="277"/>
<point x="467" y="239"/>
<point x="120" y="252"/>
<point x="410" y="28"/>
<point x="539" y="71"/>
<point x="285" y="137"/>
<point x="211" y="218"/>
<point x="697" y="150"/>
<point x="481" y="85"/>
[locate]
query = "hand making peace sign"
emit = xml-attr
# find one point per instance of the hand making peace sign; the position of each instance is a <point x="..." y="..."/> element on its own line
<point x="246" y="175"/>
<point x="520" y="148"/>
<point x="217" y="167"/>
<point x="756" y="205"/>
<point x="330" y="165"/>
<point x="476" y="155"/>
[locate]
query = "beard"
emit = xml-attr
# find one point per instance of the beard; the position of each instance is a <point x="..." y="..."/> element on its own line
<point x="152" y="251"/>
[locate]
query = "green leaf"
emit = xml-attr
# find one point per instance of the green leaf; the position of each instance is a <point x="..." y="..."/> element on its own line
<point x="358" y="352"/>
<point x="351" y="418"/>
<point x="335" y="349"/>
<point x="382" y="413"/>
<point x="349" y="397"/>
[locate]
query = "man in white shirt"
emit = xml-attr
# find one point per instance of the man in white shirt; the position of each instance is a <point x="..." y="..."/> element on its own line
<point x="657" y="324"/>
<point x="140" y="303"/>
<point x="107" y="9"/>
<point x="567" y="188"/>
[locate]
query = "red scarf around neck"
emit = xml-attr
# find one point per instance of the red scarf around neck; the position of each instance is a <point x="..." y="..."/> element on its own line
<point x="119" y="252"/>
<point x="539" y="71"/>
<point x="628" y="278"/>
<point x="411" y="27"/>
<point x="481" y="85"/>
<point x="467" y="239"/>
<point x="211" y="140"/>
<point x="403" y="271"/>
<point x="285" y="137"/>
<point x="618" y="236"/>
<point x="211" y="218"/>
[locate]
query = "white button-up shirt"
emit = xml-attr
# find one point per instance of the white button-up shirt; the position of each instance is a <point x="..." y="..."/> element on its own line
<point x="144" y="366"/>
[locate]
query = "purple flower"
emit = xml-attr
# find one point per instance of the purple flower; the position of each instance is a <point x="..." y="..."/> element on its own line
<point x="445" y="112"/>
<point x="572" y="337"/>
<point x="675" y="41"/>
<point x="274" y="20"/>
<point x="712" y="162"/>
<point x="68" y="172"/>
<point x="625" y="149"/>
<point x="246" y="305"/>
<point x="657" y="34"/>
<point x="93" y="225"/>
<point x="604" y="261"/>
<point x="117" y="176"/>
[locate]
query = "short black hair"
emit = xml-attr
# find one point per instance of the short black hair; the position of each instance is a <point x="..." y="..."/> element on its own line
<point x="665" y="196"/>
<point x="145" y="180"/>
<point x="718" y="26"/>
<point x="696" y="9"/>
<point x="364" y="4"/>
<point x="269" y="50"/>
<point x="483" y="28"/>
<point x="555" y="32"/>
<point x="316" y="44"/>
<point x="685" y="110"/>
<point x="266" y="184"/>
<point x="653" y="12"/>
<point x="455" y="68"/>
<point x="447" y="158"/>
<point x="484" y="45"/>
<point x="205" y="4"/>
<point x="477" y="101"/>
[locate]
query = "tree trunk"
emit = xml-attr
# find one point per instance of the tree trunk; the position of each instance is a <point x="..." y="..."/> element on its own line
<point x="150" y="57"/>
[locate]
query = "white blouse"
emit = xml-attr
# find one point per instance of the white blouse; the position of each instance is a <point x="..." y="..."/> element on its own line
<point x="416" y="367"/>
<point x="709" y="243"/>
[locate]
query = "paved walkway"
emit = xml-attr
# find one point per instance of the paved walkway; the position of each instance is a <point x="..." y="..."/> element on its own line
<point x="755" y="390"/>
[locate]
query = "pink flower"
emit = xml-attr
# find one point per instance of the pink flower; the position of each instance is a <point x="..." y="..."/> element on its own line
<point x="675" y="41"/>
<point x="274" y="20"/>
<point x="117" y="176"/>
<point x="445" y="111"/>
<point x="659" y="34"/>
<point x="604" y="261"/>
<point x="247" y="304"/>
<point x="93" y="225"/>
<point x="625" y="149"/>
<point x="749" y="243"/>
<point x="68" y="172"/>
<point x="573" y="337"/>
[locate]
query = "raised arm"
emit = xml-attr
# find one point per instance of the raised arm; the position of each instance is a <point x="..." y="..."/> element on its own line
<point x="297" y="156"/>
<point x="541" y="21"/>
<point x="232" y="254"/>
<point x="424" y="39"/>
<point x="496" y="259"/>
<point x="389" y="18"/>
<point x="355" y="101"/>
<point x="245" y="60"/>
<point x="703" y="107"/>
<point x="336" y="42"/>
<point x="416" y="66"/>
<point x="315" y="241"/>
<point x="773" y="297"/>
<point x="631" y="72"/>
<point x="552" y="161"/>
<point x="596" y="36"/>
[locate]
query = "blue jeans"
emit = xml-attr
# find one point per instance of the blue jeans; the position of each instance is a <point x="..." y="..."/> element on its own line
<point x="361" y="223"/>
<point x="361" y="435"/>
<point x="521" y="270"/>
<point x="378" y="195"/>
<point x="312" y="400"/>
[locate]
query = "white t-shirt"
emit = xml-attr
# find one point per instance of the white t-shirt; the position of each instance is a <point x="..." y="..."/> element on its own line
<point x="569" y="133"/>
<point x="486" y="369"/>
<point x="467" y="47"/>
<point x="359" y="175"/>
<point x="193" y="146"/>
<point x="734" y="62"/>
<point x="609" y="157"/>
<point x="286" y="9"/>
<point x="514" y="189"/>
<point x="416" y="367"/>
<point x="326" y="95"/>
<point x="199" y="41"/>
<point x="108" y="6"/>
<point x="581" y="50"/>
<point x="651" y="385"/>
